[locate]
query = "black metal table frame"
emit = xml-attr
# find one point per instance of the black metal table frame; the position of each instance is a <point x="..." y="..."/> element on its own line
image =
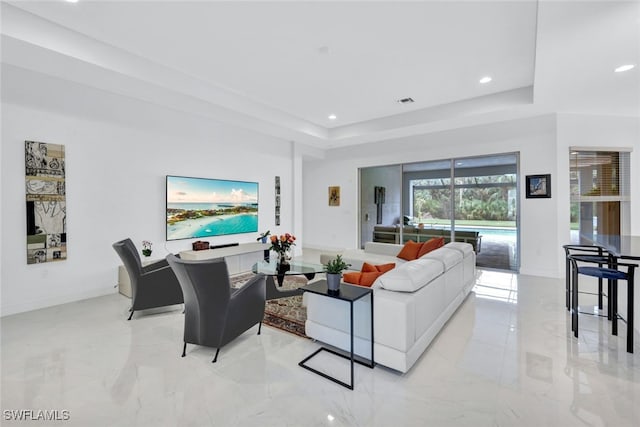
<point x="274" y="293"/>
<point x="351" y="357"/>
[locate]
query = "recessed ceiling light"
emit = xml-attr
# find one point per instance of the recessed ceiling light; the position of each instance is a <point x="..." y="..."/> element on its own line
<point x="72" y="1"/>
<point x="486" y="79"/>
<point x="623" y="68"/>
<point x="332" y="117"/>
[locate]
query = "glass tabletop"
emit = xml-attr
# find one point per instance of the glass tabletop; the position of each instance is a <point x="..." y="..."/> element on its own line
<point x="621" y="246"/>
<point x="272" y="268"/>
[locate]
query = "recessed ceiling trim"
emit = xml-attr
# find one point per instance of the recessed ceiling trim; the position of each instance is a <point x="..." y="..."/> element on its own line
<point x="36" y="32"/>
<point x="481" y="104"/>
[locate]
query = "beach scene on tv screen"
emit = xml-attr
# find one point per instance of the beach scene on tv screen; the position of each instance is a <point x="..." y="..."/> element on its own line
<point x="200" y="207"/>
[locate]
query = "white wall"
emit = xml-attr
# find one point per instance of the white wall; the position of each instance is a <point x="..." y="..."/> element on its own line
<point x="582" y="130"/>
<point x="116" y="189"/>
<point x="534" y="139"/>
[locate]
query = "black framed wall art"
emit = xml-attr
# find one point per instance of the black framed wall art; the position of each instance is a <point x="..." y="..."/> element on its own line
<point x="538" y="186"/>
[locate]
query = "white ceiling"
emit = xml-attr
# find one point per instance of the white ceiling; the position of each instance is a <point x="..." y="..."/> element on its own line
<point x="282" y="67"/>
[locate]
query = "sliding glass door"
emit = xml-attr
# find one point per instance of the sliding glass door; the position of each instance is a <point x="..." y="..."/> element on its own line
<point x="473" y="200"/>
<point x="486" y="208"/>
<point x="427" y="201"/>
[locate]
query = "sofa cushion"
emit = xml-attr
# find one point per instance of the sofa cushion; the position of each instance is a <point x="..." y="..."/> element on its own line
<point x="431" y="245"/>
<point x="465" y="248"/>
<point x="410" y="250"/>
<point x="411" y="276"/>
<point x="389" y="249"/>
<point x="448" y="257"/>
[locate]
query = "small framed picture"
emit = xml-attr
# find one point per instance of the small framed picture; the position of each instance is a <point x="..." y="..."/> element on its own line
<point x="538" y="186"/>
<point x="334" y="196"/>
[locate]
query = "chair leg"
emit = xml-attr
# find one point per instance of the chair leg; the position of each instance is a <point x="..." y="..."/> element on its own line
<point x="216" y="356"/>
<point x="184" y="349"/>
<point x="259" y="327"/>
<point x="131" y="315"/>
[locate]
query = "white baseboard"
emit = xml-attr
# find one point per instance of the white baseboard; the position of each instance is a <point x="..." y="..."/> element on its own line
<point x="53" y="301"/>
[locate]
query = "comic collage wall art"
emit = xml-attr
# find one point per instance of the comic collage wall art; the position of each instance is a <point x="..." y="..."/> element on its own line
<point x="46" y="202"/>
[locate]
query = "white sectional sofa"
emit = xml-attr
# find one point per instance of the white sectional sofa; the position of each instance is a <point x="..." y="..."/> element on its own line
<point x="411" y="303"/>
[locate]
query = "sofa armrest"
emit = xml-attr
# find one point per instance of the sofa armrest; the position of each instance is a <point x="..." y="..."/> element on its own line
<point x="394" y="319"/>
<point x="382" y="248"/>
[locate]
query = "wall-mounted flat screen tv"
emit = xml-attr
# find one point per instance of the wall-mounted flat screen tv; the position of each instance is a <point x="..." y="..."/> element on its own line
<point x="202" y="207"/>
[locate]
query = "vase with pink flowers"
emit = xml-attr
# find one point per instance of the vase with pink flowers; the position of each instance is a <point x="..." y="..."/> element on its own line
<point x="282" y="246"/>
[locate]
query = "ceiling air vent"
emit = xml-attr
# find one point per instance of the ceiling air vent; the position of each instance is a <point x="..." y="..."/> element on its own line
<point x="405" y="100"/>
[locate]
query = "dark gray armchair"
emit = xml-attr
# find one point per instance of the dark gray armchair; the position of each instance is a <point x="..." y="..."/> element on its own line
<point x="154" y="285"/>
<point x="215" y="314"/>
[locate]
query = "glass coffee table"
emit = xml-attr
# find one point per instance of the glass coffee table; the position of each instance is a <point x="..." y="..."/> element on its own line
<point x="274" y="272"/>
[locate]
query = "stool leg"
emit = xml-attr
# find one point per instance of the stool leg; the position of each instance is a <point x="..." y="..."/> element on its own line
<point x="609" y="298"/>
<point x="614" y="308"/>
<point x="568" y="275"/>
<point x="630" y="301"/>
<point x="574" y="308"/>
<point x="600" y="305"/>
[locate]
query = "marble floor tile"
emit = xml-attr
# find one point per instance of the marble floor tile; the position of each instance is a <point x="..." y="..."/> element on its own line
<point x="506" y="358"/>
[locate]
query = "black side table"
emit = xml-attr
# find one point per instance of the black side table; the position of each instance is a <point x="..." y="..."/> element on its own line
<point x="350" y="294"/>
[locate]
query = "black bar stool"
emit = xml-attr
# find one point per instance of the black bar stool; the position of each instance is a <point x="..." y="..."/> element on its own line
<point x="590" y="254"/>
<point x="613" y="275"/>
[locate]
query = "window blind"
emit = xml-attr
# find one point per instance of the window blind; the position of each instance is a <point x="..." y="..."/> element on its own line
<point x="600" y="176"/>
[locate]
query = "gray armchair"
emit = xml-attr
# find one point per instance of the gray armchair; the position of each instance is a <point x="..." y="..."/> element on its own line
<point x="215" y="314"/>
<point x="154" y="285"/>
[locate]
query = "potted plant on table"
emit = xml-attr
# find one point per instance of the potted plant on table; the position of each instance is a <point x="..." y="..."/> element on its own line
<point x="263" y="236"/>
<point x="146" y="248"/>
<point x="334" y="269"/>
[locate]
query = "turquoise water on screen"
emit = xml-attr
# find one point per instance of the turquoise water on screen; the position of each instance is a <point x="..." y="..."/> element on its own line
<point x="213" y="226"/>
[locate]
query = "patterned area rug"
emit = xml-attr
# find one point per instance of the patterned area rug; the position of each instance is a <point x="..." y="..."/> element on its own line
<point x="286" y="314"/>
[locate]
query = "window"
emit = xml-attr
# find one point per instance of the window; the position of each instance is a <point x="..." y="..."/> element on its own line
<point x="600" y="201"/>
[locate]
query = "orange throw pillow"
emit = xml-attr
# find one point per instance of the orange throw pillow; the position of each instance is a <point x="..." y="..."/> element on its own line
<point x="368" y="275"/>
<point x="382" y="268"/>
<point x="361" y="279"/>
<point x="367" y="278"/>
<point x="431" y="245"/>
<point x="368" y="268"/>
<point x="410" y="251"/>
<point x="353" y="277"/>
